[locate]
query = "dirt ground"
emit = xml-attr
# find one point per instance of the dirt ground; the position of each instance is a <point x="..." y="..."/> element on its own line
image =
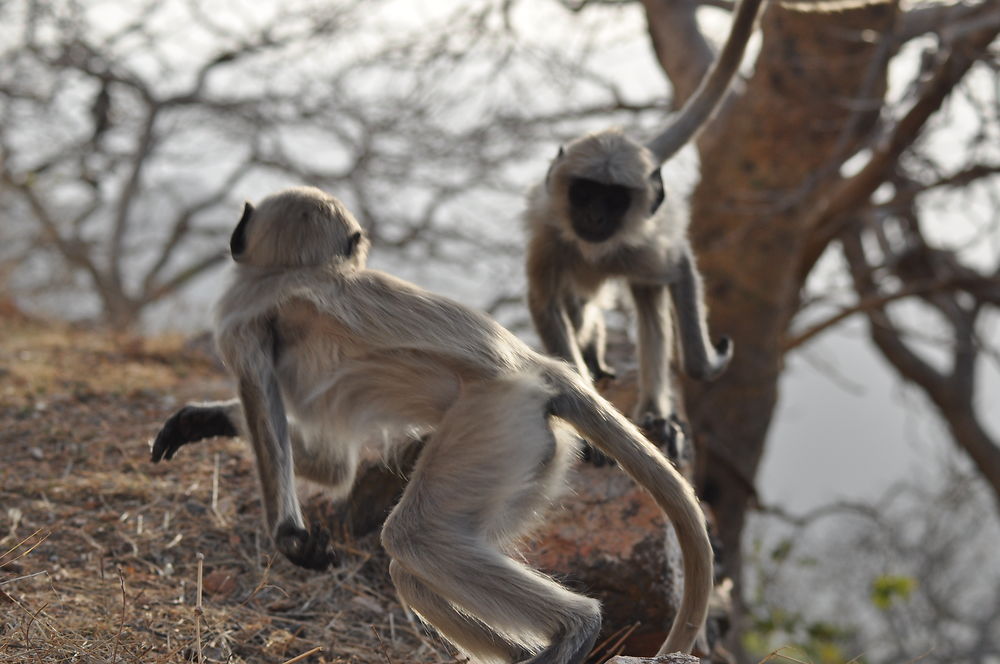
<point x="99" y="547"/>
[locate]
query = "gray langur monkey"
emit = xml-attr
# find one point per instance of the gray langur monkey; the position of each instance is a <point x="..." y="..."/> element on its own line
<point x="330" y="358"/>
<point x="600" y="214"/>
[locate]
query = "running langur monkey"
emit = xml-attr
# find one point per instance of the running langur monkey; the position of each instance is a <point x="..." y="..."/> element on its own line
<point x="600" y="214"/>
<point x="330" y="357"/>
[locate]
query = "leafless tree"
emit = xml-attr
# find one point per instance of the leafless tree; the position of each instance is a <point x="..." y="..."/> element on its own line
<point x="130" y="131"/>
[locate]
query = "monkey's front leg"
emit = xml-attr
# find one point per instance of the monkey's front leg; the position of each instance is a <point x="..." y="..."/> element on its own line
<point x="556" y="332"/>
<point x="267" y="428"/>
<point x="195" y="422"/>
<point x="702" y="359"/>
<point x="654" y="412"/>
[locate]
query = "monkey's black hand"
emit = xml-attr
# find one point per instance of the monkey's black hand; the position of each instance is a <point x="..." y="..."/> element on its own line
<point x="305" y="548"/>
<point x="669" y="434"/>
<point x="189" y="425"/>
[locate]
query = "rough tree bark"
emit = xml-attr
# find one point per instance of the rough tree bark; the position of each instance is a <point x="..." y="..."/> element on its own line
<point x="747" y="225"/>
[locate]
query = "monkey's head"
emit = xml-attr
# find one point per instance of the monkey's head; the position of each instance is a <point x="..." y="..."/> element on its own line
<point x="298" y="227"/>
<point x="604" y="184"/>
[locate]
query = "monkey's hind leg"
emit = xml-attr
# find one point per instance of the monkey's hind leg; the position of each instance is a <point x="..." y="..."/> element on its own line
<point x="487" y="471"/>
<point x="469" y="634"/>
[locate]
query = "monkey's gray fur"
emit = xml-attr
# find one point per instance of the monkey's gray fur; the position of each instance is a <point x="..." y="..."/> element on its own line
<point x="330" y="358"/>
<point x="601" y="214"/>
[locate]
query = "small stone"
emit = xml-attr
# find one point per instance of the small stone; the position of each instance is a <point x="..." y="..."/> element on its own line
<point x="220" y="582"/>
<point x="673" y="658"/>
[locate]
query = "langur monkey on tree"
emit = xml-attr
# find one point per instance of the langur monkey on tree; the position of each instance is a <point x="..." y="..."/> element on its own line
<point x="600" y="214"/>
<point x="330" y="357"/>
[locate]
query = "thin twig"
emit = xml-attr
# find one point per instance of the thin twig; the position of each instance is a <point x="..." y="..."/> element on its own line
<point x="603" y="645"/>
<point x="778" y="653"/>
<point x="31" y="621"/>
<point x="198" y="609"/>
<point x="299" y="658"/>
<point x="121" y="625"/>
<point x="381" y="644"/>
<point x="22" y="578"/>
<point x="616" y="647"/>
<point x="23" y="553"/>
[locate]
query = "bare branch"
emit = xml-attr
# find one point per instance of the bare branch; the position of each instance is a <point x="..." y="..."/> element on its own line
<point x="878" y="301"/>
<point x="182" y="225"/>
<point x="829" y="216"/>
<point x="139" y="159"/>
<point x="905" y="197"/>
<point x="73" y="252"/>
<point x="952" y="393"/>
<point x="939" y="18"/>
<point x="194" y="269"/>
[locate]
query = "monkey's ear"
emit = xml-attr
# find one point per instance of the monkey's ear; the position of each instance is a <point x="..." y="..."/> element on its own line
<point x="238" y="240"/>
<point x="559" y="156"/>
<point x="352" y="243"/>
<point x="656" y="186"/>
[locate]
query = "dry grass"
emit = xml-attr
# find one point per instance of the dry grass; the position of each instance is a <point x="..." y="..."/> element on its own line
<point x="99" y="547"/>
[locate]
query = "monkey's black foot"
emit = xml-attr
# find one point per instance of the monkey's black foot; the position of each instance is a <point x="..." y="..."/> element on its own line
<point x="188" y="425"/>
<point x="305" y="548"/>
<point x="594" y="456"/>
<point x="602" y="373"/>
<point x="669" y="434"/>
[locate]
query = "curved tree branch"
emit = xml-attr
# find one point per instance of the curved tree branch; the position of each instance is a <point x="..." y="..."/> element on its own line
<point x="952" y="392"/>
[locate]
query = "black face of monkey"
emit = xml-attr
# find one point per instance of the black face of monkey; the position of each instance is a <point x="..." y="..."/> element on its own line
<point x="596" y="209"/>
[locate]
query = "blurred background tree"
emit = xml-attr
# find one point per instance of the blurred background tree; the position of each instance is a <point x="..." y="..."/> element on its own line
<point x="852" y="176"/>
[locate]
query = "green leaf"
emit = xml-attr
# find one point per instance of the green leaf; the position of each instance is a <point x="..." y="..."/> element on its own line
<point x="781" y="551"/>
<point x="889" y="588"/>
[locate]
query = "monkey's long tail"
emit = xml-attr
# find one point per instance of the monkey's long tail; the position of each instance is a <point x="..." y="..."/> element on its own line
<point x="704" y="102"/>
<point x="603" y="426"/>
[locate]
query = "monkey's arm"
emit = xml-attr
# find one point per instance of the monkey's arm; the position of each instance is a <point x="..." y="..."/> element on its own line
<point x="556" y="332"/>
<point x="195" y="422"/>
<point x="552" y="322"/>
<point x="268" y="431"/>
<point x="702" y="359"/>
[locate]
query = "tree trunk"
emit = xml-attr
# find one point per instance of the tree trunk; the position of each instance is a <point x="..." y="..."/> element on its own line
<point x="747" y="226"/>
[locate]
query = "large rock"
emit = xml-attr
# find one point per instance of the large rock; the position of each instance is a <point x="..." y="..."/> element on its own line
<point x="610" y="540"/>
